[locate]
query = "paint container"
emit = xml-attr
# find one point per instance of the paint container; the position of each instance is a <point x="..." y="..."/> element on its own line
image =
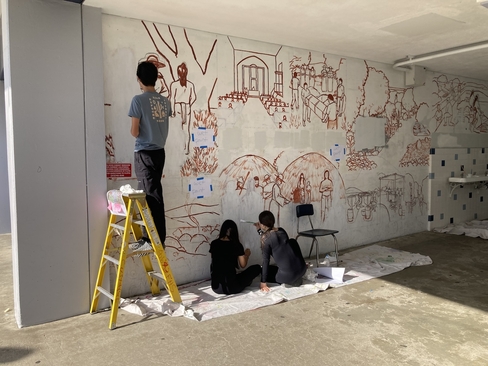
<point x="326" y="261"/>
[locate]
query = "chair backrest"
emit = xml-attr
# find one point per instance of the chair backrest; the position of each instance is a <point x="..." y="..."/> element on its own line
<point x="304" y="210"/>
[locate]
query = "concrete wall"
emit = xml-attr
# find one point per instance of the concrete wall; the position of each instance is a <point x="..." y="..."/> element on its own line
<point x="247" y="97"/>
<point x="55" y="142"/>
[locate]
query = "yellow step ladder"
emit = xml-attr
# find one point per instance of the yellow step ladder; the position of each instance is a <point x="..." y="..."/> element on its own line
<point x="136" y="213"/>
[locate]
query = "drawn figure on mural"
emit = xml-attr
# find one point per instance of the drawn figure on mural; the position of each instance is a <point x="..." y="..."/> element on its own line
<point x="228" y="255"/>
<point x="289" y="266"/>
<point x="277" y="200"/>
<point x="328" y="79"/>
<point x="308" y="192"/>
<point x="294" y="84"/>
<point x="305" y="103"/>
<point x="267" y="191"/>
<point x="182" y="92"/>
<point x="325" y="189"/>
<point x="341" y="98"/>
<point x="299" y="191"/>
<point x="330" y="113"/>
<point x="475" y="114"/>
<point x="162" y="88"/>
<point x="257" y="186"/>
<point x="150" y="125"/>
<point x="240" y="185"/>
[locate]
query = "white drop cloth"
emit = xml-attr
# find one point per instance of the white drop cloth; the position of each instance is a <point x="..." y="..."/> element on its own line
<point x="200" y="303"/>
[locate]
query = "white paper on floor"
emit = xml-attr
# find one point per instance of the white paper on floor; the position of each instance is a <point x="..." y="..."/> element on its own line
<point x="200" y="303"/>
<point x="474" y="229"/>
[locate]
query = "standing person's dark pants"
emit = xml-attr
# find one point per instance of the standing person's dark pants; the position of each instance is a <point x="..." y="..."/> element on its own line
<point x="148" y="166"/>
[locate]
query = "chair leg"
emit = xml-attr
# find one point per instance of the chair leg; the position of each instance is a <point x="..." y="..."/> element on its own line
<point x="311" y="248"/>
<point x="336" y="245"/>
<point x="316" y="251"/>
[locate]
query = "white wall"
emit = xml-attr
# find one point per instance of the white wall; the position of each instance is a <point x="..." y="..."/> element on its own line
<point x="4" y="200"/>
<point x="56" y="166"/>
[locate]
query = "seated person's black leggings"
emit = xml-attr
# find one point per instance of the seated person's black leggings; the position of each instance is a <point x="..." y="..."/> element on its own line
<point x="273" y="271"/>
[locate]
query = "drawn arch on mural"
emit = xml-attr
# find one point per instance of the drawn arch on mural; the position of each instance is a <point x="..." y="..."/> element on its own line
<point x="252" y="74"/>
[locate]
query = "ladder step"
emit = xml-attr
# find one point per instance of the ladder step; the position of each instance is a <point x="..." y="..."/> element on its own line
<point x="106" y="293"/>
<point x="116" y="226"/>
<point x="111" y="259"/>
<point x="157" y="275"/>
<point x="120" y="227"/>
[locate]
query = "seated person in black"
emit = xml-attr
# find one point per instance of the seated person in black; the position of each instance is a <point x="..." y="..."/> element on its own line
<point x="228" y="254"/>
<point x="290" y="265"/>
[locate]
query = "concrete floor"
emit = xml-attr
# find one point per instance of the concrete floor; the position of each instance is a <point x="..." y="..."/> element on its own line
<point x="428" y="315"/>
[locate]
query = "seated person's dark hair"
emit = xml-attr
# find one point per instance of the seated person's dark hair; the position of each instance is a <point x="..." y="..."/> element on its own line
<point x="267" y="219"/>
<point x="229" y="229"/>
<point x="147" y="73"/>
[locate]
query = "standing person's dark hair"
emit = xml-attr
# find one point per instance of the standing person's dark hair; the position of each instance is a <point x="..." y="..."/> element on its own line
<point x="228" y="254"/>
<point x="290" y="265"/>
<point x="150" y="114"/>
<point x="147" y="73"/>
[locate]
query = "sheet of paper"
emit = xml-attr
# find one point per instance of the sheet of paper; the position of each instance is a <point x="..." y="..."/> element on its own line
<point x="330" y="274"/>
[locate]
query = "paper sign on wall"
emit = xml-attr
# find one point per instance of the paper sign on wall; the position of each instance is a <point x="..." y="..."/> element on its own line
<point x="203" y="137"/>
<point x="200" y="187"/>
<point x="337" y="152"/>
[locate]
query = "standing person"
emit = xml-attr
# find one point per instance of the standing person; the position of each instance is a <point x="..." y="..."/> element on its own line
<point x="228" y="254"/>
<point x="149" y="112"/>
<point x="290" y="265"/>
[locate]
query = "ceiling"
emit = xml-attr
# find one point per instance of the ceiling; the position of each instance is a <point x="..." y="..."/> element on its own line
<point x="386" y="31"/>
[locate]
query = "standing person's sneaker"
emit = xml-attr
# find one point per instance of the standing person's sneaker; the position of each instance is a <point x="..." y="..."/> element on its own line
<point x="142" y="245"/>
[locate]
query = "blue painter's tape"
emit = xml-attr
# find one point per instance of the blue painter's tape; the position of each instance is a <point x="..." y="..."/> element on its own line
<point x="211" y="188"/>
<point x="193" y="137"/>
<point x="200" y="178"/>
<point x="213" y="138"/>
<point x="330" y="152"/>
<point x="203" y="147"/>
<point x="189" y="187"/>
<point x="201" y="128"/>
<point x="199" y="196"/>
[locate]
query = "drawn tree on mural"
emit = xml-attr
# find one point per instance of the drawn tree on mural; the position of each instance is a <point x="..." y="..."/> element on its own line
<point x="181" y="92"/>
<point x="379" y="99"/>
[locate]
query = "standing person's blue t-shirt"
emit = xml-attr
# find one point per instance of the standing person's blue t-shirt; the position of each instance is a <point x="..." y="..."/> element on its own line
<point x="153" y="110"/>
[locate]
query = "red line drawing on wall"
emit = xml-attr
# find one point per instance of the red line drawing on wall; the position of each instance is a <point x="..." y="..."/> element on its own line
<point x="258" y="76"/>
<point x="417" y="153"/>
<point x="395" y="104"/>
<point x="191" y="237"/>
<point x="397" y="194"/>
<point x="181" y="91"/>
<point x="203" y="69"/>
<point x="300" y="180"/>
<point x="461" y="102"/>
<point x="109" y="149"/>
<point x="322" y="93"/>
<point x="202" y="160"/>
<point x="182" y="94"/>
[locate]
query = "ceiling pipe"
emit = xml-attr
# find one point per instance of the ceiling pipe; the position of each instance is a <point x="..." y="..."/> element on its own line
<point x="443" y="53"/>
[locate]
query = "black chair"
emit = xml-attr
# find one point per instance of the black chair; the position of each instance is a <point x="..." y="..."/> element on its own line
<point x="307" y="210"/>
